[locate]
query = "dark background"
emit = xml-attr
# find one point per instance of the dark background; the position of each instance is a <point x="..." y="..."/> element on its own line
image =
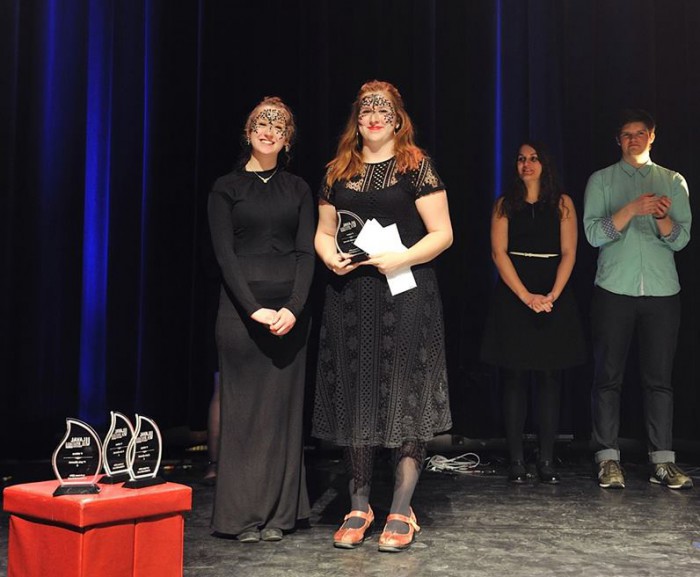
<point x="116" y="117"/>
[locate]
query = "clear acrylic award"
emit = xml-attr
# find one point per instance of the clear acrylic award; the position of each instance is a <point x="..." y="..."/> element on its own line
<point x="144" y="454"/>
<point x="77" y="460"/>
<point x="115" y="448"/>
<point x="349" y="226"/>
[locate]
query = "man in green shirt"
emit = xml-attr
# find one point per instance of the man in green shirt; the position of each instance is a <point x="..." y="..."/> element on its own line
<point x="638" y="214"/>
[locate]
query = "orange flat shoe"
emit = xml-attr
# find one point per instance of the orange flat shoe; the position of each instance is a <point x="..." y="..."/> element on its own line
<point x="348" y="538"/>
<point x="392" y="542"/>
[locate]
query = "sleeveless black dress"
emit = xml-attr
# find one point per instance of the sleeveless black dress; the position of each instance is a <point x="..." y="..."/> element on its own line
<point x="381" y="375"/>
<point x="517" y="337"/>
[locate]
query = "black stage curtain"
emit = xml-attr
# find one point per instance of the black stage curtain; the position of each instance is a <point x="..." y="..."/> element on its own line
<point x="147" y="98"/>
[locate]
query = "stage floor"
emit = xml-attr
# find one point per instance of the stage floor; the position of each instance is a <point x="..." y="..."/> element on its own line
<point x="473" y="524"/>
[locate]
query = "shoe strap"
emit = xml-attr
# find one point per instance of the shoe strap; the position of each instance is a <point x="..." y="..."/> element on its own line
<point x="410" y="521"/>
<point x="369" y="516"/>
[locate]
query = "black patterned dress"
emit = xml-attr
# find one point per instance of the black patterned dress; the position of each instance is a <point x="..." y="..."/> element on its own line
<point x="381" y="376"/>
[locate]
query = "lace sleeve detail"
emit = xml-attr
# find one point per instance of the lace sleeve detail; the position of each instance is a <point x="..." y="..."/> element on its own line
<point x="425" y="179"/>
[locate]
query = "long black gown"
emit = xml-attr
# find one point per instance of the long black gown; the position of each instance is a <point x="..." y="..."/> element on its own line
<point x="263" y="239"/>
<point x="516" y="337"/>
<point x="381" y="375"/>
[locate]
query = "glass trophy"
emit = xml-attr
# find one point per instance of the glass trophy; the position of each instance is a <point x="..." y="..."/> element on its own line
<point x="114" y="450"/>
<point x="144" y="455"/>
<point x="77" y="460"/>
<point x="349" y="226"/>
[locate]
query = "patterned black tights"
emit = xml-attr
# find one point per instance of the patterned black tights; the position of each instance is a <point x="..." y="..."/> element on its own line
<point x="359" y="462"/>
<point x="407" y="461"/>
<point x="408" y="464"/>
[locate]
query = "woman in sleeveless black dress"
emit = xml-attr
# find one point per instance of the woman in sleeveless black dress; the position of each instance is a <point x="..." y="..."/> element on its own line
<point x="381" y="378"/>
<point x="533" y="329"/>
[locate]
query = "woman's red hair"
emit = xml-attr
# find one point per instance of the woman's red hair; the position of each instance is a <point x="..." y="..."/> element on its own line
<point x="348" y="157"/>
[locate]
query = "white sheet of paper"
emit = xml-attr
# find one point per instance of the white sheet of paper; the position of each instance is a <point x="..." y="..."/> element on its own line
<point x="371" y="237"/>
<point x="401" y="281"/>
<point x="374" y="238"/>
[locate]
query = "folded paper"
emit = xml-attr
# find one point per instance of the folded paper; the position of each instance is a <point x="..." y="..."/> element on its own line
<point x="375" y="238"/>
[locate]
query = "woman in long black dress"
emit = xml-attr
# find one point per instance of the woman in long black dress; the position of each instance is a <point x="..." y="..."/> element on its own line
<point x="262" y="227"/>
<point x="381" y="376"/>
<point x="533" y="329"/>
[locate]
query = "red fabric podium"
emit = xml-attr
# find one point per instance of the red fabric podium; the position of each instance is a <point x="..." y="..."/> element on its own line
<point x="115" y="533"/>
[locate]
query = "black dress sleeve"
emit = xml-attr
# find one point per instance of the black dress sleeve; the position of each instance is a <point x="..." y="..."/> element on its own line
<point x="305" y="254"/>
<point x="425" y="179"/>
<point x="326" y="192"/>
<point x="219" y="210"/>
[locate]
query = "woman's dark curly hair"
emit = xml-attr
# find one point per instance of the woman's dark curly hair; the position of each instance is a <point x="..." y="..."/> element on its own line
<point x="550" y="186"/>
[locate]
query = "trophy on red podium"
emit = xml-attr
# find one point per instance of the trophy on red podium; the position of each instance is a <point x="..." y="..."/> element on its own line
<point x="77" y="460"/>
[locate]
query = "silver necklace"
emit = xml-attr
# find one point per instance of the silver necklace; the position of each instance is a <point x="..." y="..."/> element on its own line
<point x="265" y="180"/>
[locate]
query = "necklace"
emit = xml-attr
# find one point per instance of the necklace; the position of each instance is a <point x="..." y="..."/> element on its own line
<point x="265" y="180"/>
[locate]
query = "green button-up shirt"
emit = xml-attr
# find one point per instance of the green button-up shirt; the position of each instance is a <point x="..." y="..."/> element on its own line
<point x="636" y="261"/>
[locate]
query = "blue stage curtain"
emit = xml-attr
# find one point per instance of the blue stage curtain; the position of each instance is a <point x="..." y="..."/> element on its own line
<point x="117" y="115"/>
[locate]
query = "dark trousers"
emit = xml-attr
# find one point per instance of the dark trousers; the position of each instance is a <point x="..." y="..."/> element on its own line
<point x="615" y="319"/>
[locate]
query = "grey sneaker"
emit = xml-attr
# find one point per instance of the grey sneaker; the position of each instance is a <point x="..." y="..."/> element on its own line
<point x="610" y="475"/>
<point x="249" y="536"/>
<point x="671" y="475"/>
<point x="271" y="534"/>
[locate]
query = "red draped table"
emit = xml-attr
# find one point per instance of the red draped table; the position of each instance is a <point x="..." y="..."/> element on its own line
<point x="115" y="533"/>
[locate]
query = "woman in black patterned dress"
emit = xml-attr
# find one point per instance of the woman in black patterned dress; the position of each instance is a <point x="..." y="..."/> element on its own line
<point x="381" y="376"/>
<point x="533" y="331"/>
<point x="262" y="225"/>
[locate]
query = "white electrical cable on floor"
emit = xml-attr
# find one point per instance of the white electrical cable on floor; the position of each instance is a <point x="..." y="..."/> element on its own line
<point x="465" y="463"/>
